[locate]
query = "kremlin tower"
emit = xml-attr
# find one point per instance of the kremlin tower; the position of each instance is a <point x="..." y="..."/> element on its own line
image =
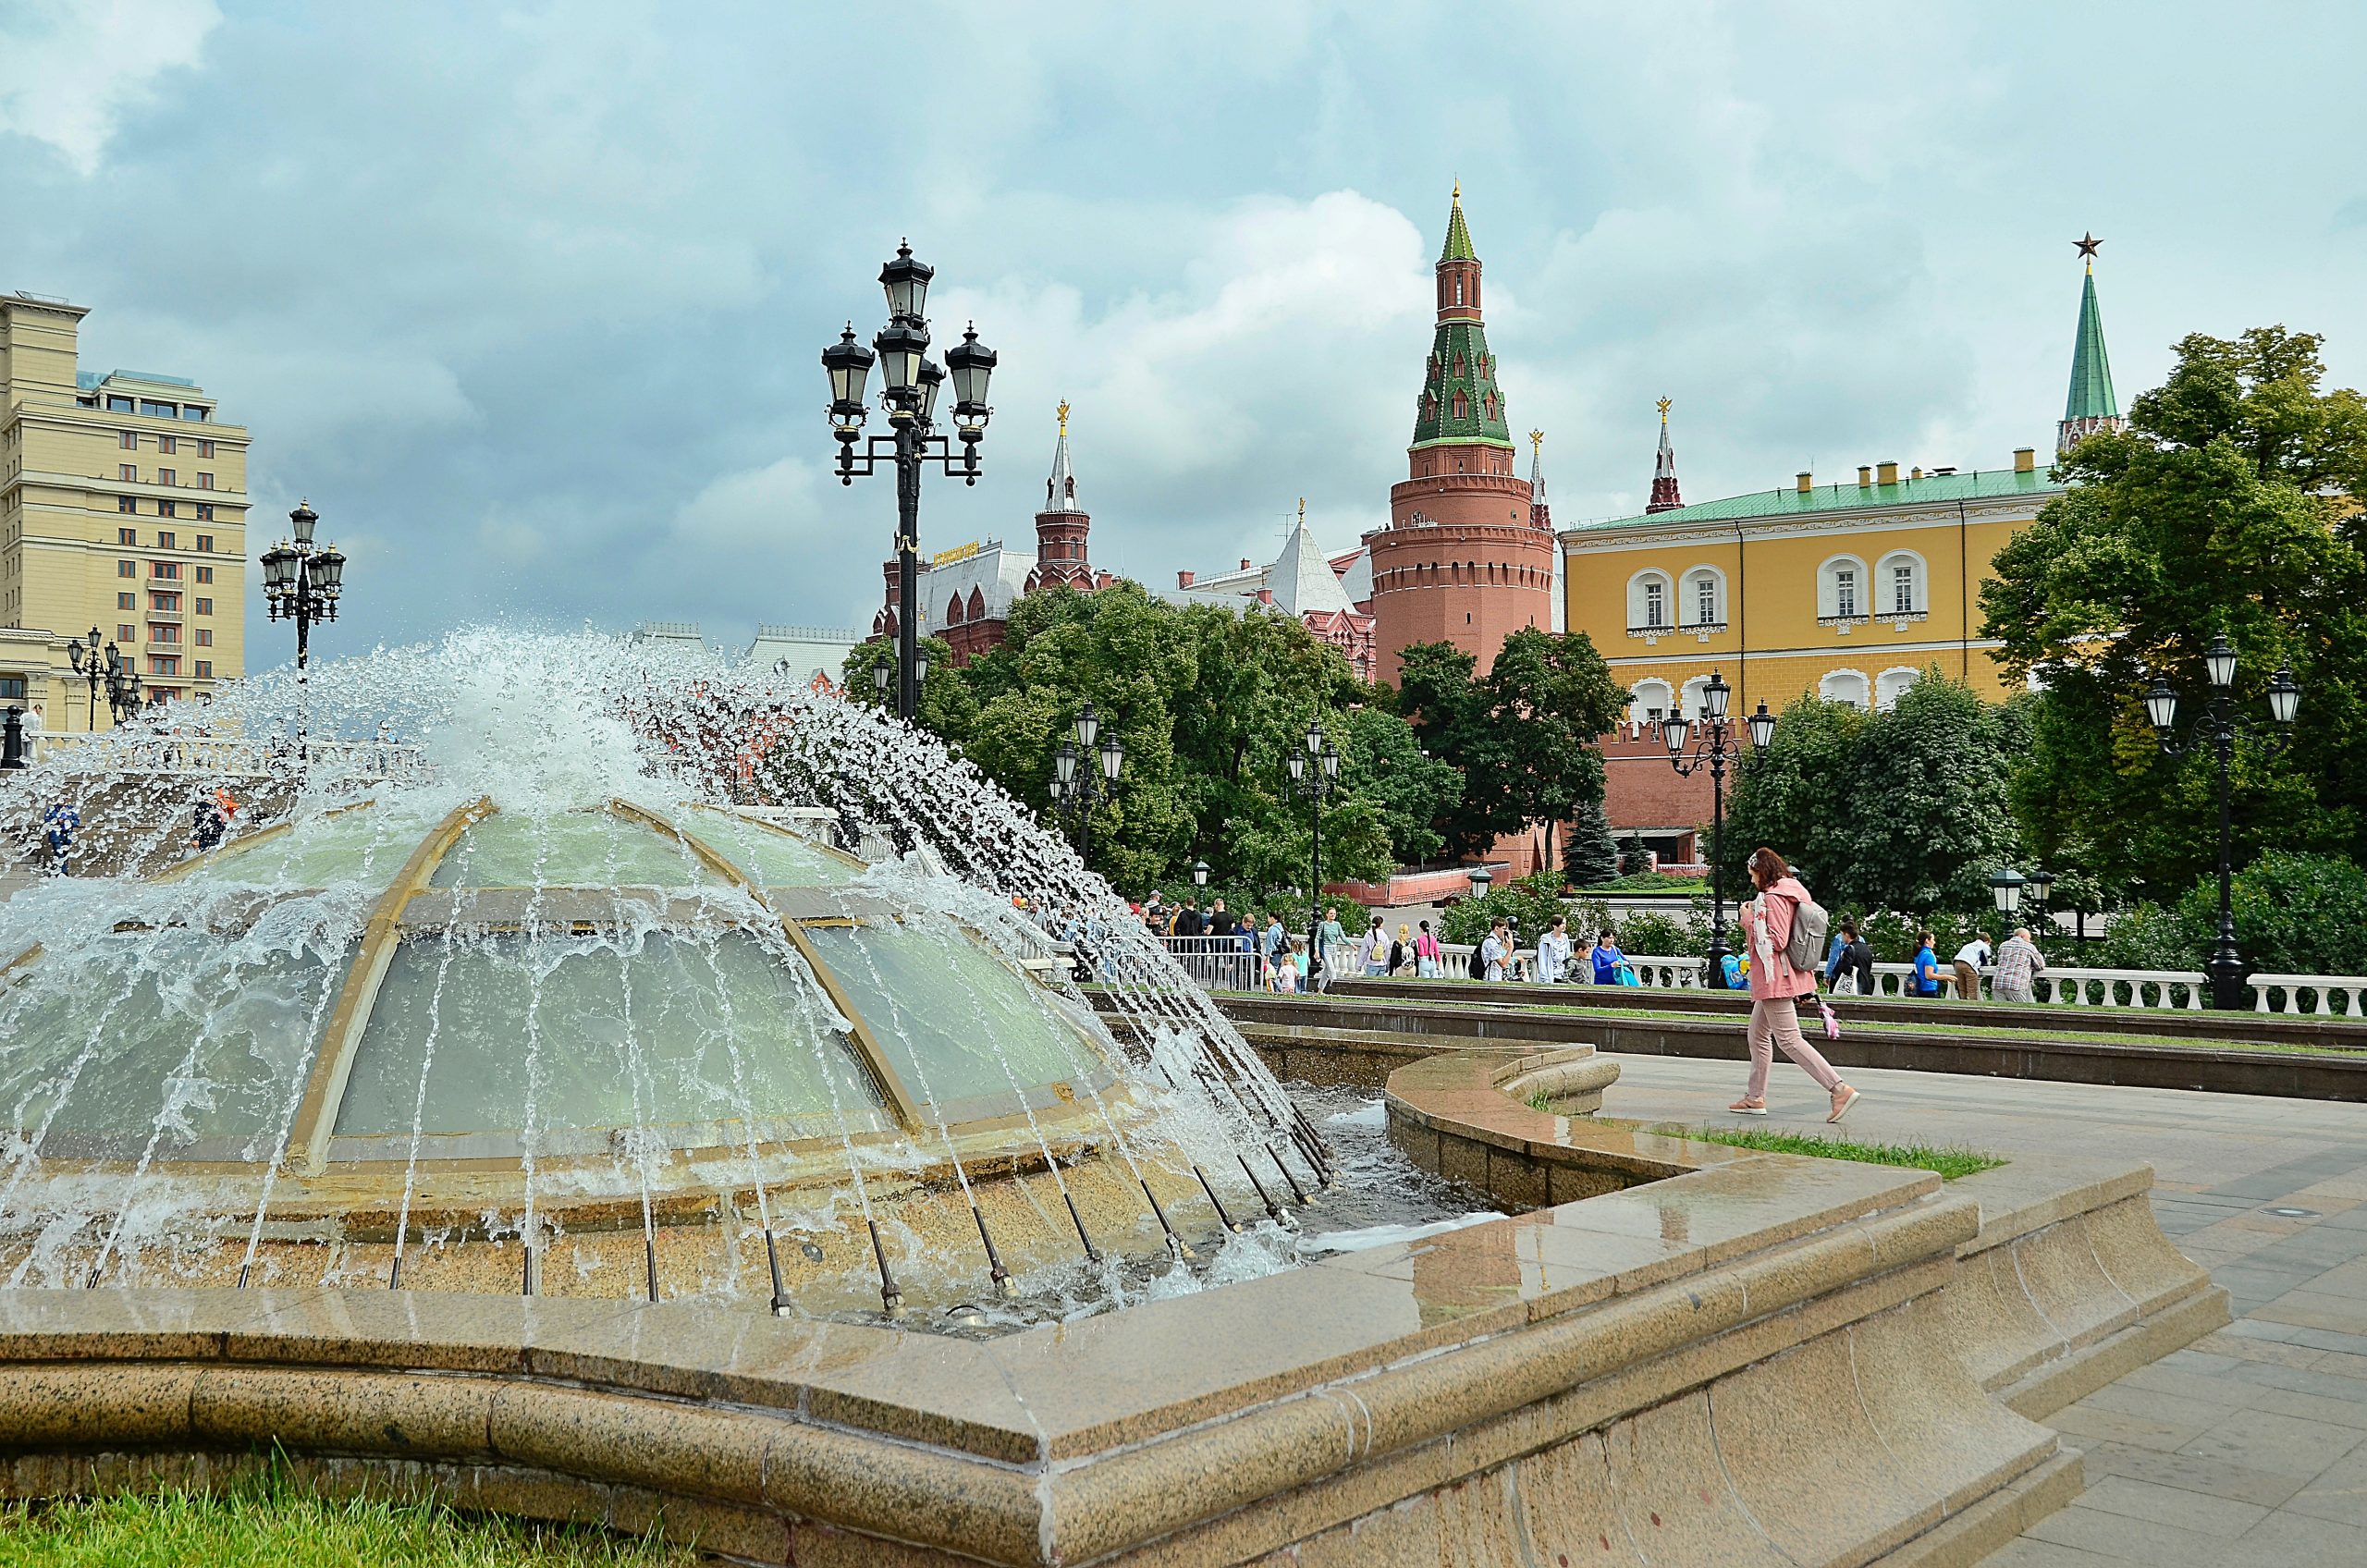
<point x="1464" y="559"/>
<point x="1665" y="497"/>
<point x="1061" y="527"/>
<point x="2091" y="406"/>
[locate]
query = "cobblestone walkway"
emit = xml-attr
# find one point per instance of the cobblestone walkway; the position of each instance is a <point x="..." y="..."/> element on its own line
<point x="2248" y="1450"/>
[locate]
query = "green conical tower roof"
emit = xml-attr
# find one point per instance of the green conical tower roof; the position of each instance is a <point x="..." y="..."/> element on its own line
<point x="1458" y="238"/>
<point x="2091" y="370"/>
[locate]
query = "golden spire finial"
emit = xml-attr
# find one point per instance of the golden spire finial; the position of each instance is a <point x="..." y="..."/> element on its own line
<point x="1301" y="511"/>
<point x="1064" y="418"/>
<point x="1664" y="402"/>
<point x="1458" y="190"/>
<point x="1535" y="441"/>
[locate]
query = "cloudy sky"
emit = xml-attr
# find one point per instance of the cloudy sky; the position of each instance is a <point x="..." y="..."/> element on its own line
<point x="528" y="299"/>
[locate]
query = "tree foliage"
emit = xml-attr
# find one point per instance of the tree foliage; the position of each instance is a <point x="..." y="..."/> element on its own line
<point x="2227" y="506"/>
<point x="2295" y="914"/>
<point x="1589" y="858"/>
<point x="1905" y="810"/>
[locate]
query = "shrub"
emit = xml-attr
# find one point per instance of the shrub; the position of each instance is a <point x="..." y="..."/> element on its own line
<point x="1531" y="901"/>
<point x="1656" y="935"/>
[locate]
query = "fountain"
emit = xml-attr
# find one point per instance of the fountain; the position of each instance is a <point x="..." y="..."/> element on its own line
<point x="576" y="1008"/>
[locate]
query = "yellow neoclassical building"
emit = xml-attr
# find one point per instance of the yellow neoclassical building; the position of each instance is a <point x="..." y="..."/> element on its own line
<point x="1847" y="590"/>
<point x="123" y="505"/>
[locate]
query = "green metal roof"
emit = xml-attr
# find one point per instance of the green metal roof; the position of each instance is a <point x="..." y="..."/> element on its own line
<point x="2091" y="370"/>
<point x="1458" y="238"/>
<point x="1978" y="485"/>
<point x="1464" y="344"/>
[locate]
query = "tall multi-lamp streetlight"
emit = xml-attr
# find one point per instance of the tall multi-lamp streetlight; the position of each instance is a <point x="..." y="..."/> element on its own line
<point x="2220" y="725"/>
<point x="302" y="581"/>
<point x="1314" y="773"/>
<point x="1084" y="786"/>
<point x="911" y="383"/>
<point x="109" y="673"/>
<point x="1713" y="747"/>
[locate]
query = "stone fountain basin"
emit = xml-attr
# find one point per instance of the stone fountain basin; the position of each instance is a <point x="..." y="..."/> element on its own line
<point x="1718" y="1356"/>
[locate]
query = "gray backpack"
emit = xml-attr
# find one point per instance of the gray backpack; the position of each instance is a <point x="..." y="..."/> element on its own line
<point x="1805" y="949"/>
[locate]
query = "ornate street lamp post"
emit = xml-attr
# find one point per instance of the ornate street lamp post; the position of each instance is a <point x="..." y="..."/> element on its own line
<point x="1713" y="747"/>
<point x="94" y="670"/>
<point x="1086" y="786"/>
<point x="1314" y="783"/>
<point x="909" y="396"/>
<point x="2221" y="725"/>
<point x="302" y="581"/>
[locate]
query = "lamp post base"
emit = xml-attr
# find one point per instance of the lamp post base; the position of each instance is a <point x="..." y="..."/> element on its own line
<point x="1716" y="960"/>
<point x="2229" y="975"/>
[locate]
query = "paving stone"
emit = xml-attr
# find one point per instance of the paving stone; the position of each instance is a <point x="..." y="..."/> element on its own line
<point x="2122" y="1539"/>
<point x="2315" y="1404"/>
<point x="2325" y="1382"/>
<point x="2309" y="1309"/>
<point x="2339" y="1493"/>
<point x="2030" y="1553"/>
<point x="2168" y="1409"/>
<point x="2084" y="1420"/>
<point x="2265" y="1440"/>
<point x="2162" y="1378"/>
<point x="2215" y="1477"/>
<point x="2289" y="1539"/>
<point x="2244" y="1347"/>
<point x="2186" y="1510"/>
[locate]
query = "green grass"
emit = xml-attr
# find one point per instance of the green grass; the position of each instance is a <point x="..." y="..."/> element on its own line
<point x="279" y="1525"/>
<point x="1540" y="1100"/>
<point x="1949" y="1163"/>
<point x="1647" y="882"/>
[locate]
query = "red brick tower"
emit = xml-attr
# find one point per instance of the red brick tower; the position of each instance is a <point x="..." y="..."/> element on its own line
<point x="1463" y="559"/>
<point x="1665" y="497"/>
<point x="1061" y="527"/>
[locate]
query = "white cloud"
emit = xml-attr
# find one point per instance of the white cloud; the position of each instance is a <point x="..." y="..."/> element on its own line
<point x="70" y="68"/>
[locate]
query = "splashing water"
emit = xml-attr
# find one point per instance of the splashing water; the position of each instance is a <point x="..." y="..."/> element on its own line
<point x="543" y="968"/>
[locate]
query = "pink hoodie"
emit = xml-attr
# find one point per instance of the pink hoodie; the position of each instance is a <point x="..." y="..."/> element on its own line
<point x="1767" y="924"/>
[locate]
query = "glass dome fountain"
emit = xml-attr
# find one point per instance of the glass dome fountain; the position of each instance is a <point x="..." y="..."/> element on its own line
<point x="576" y="1007"/>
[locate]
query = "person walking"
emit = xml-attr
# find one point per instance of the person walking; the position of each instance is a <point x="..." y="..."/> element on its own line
<point x="1331" y="947"/>
<point x="1553" y="952"/>
<point x="2018" y="963"/>
<point x="1851" y="973"/>
<point x="1970" y="960"/>
<point x="58" y="826"/>
<point x="1776" y="981"/>
<point x="1926" y="978"/>
<point x="1429" y="959"/>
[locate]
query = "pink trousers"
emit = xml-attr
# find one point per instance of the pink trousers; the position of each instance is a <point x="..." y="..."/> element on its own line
<point x="1775" y="1022"/>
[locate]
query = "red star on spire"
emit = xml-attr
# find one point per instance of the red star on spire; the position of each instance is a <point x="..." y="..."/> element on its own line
<point x="2087" y="244"/>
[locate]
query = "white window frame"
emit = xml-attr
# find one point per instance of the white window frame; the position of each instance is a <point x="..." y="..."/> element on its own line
<point x="1828" y="590"/>
<point x="1691" y="695"/>
<point x="1689" y="599"/>
<point x="1863" y="697"/>
<point x="1639" y="602"/>
<point x="1891" y="684"/>
<point x="1885" y="601"/>
<point x="1648" y="693"/>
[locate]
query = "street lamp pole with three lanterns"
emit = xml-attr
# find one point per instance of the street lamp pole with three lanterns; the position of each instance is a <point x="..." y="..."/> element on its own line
<point x="909" y="396"/>
<point x="1713" y="747"/>
<point x="2221" y="725"/>
<point x="1315" y="782"/>
<point x="1085" y="787"/>
<point x="302" y="581"/>
<point x="109" y="672"/>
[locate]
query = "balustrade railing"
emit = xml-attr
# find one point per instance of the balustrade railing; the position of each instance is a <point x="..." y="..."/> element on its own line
<point x="135" y="752"/>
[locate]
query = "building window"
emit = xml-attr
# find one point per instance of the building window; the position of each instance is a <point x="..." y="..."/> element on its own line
<point x="129" y="440"/>
<point x="163" y="664"/>
<point x="127" y="568"/>
<point x="1891" y="684"/>
<point x="166" y="509"/>
<point x="205" y="514"/>
<point x="127" y="536"/>
<point x="126" y="633"/>
<point x="162" y="600"/>
<point x="1462" y="407"/>
<point x="155" y="409"/>
<point x="12" y="688"/>
<point x="1845" y="591"/>
<point x="191" y="411"/>
<point x="206" y="448"/>
<point x="205" y="481"/>
<point x="127" y="601"/>
<point x="1902" y="590"/>
<point x="167" y="445"/>
<point x="164" y="540"/>
<point x="205" y="607"/>
<point x="206" y="636"/>
<point x="166" y="476"/>
<point x="205" y="574"/>
<point x="128" y="472"/>
<point x="119" y="405"/>
<point x="165" y="568"/>
<point x="205" y="544"/>
<point x="1844" y="686"/>
<point x="1655" y="604"/>
<point x="1705" y="595"/>
<point x="126" y="504"/>
<point x="205" y="669"/>
<point x="1901" y="586"/>
<point x="164" y="633"/>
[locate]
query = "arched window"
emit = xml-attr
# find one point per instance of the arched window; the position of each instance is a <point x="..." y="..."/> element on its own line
<point x="1891" y="684"/>
<point x="977" y="604"/>
<point x="1902" y="586"/>
<point x="953" y="610"/>
<point x="1650" y="607"/>
<point x="1692" y="696"/>
<point x="1703" y="600"/>
<point x="1462" y="407"/>
<point x="1844" y="686"/>
<point x="1458" y="291"/>
<point x="1842" y="589"/>
<point x="1652" y="701"/>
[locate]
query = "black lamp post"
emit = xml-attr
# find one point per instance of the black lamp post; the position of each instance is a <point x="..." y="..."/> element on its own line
<point x="95" y="671"/>
<point x="1713" y="747"/>
<point x="301" y="581"/>
<point x="1089" y="784"/>
<point x="1314" y="783"/>
<point x="909" y="396"/>
<point x="2042" y="882"/>
<point x="124" y="696"/>
<point x="2220" y="724"/>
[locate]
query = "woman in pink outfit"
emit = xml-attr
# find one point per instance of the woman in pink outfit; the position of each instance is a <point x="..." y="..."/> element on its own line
<point x="1767" y="926"/>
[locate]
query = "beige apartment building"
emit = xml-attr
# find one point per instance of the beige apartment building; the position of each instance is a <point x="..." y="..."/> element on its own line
<point x="123" y="505"/>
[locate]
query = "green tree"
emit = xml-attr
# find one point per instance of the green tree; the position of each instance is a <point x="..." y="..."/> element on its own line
<point x="1589" y="858"/>
<point x="2226" y="506"/>
<point x="1381" y="761"/>
<point x="948" y="710"/>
